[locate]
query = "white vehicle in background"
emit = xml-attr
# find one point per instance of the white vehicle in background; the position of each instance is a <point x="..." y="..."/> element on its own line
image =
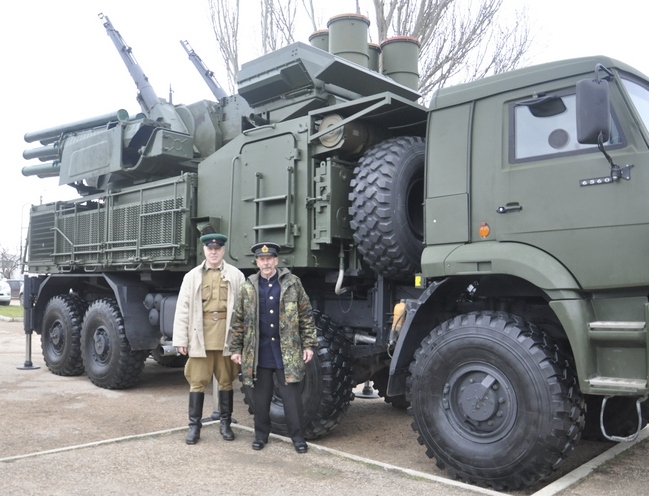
<point x="5" y="292"/>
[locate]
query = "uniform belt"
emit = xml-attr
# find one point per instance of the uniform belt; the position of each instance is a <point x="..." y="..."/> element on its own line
<point x="215" y="315"/>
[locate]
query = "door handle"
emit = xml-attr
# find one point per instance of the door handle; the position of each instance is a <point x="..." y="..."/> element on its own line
<point x="510" y="207"/>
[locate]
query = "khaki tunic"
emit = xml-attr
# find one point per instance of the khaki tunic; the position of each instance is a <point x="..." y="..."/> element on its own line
<point x="214" y="293"/>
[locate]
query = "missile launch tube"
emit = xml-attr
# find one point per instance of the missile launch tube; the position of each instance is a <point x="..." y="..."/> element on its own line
<point x="42" y="152"/>
<point x="56" y="131"/>
<point x="50" y="169"/>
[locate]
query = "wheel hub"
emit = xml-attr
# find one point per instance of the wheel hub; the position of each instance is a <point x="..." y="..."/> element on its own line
<point x="479" y="402"/>
<point x="56" y="335"/>
<point x="101" y="343"/>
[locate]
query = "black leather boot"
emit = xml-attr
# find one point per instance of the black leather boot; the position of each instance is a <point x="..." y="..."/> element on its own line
<point x="195" y="414"/>
<point x="225" y="405"/>
<point x="216" y="413"/>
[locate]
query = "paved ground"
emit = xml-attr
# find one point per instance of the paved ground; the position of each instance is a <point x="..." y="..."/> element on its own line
<point x="132" y="442"/>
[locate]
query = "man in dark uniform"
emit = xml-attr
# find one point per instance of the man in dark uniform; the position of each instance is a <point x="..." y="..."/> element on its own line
<point x="277" y="339"/>
<point x="205" y="305"/>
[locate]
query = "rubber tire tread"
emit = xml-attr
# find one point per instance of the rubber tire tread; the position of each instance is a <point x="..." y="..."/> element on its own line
<point x="541" y="356"/>
<point x="125" y="365"/>
<point x="378" y="209"/>
<point x="71" y="308"/>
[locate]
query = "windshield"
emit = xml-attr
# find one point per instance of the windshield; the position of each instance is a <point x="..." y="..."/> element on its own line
<point x="640" y="97"/>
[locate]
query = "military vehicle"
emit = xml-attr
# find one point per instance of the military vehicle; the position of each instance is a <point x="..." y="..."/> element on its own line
<point x="479" y="259"/>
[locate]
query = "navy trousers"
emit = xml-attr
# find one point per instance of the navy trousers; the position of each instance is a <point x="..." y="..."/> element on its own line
<point x="291" y="396"/>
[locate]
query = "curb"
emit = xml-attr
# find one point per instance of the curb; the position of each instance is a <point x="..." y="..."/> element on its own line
<point x="11" y="319"/>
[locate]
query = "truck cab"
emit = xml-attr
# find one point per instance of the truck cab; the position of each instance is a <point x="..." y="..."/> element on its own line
<point x="527" y="201"/>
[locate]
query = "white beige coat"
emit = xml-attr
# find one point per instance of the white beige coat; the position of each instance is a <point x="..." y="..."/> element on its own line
<point x="188" y="320"/>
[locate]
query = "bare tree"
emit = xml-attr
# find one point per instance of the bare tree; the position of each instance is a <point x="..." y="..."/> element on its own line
<point x="460" y="40"/>
<point x="277" y="23"/>
<point x="311" y="13"/>
<point x="224" y="16"/>
<point x="9" y="262"/>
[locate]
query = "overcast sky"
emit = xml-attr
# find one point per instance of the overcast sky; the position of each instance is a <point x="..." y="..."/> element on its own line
<point x="59" y="65"/>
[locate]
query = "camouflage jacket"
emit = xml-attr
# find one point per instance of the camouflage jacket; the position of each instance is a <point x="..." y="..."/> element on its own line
<point x="297" y="330"/>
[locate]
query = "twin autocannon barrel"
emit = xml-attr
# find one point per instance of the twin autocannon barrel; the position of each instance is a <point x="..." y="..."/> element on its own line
<point x="53" y="139"/>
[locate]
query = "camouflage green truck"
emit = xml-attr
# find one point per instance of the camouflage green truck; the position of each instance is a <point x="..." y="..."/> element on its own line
<point x="481" y="260"/>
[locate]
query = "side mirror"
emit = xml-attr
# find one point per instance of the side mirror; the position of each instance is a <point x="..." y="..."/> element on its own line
<point x="593" y="111"/>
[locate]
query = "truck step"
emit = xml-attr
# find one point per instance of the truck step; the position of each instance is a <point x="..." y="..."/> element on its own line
<point x="632" y="332"/>
<point x="617" y="383"/>
<point x="639" y="325"/>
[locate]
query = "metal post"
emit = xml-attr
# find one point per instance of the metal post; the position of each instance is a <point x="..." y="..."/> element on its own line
<point x="28" y="353"/>
<point x="368" y="391"/>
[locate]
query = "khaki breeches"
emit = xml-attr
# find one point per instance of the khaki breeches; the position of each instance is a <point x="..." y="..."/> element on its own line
<point x="199" y="371"/>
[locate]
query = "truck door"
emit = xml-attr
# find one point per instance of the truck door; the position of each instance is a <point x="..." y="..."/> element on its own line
<point x="265" y="205"/>
<point x="557" y="195"/>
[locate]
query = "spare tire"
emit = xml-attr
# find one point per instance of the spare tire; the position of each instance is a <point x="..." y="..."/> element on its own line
<point x="387" y="213"/>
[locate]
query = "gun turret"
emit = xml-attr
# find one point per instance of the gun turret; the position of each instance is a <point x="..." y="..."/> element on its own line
<point x="155" y="108"/>
<point x="112" y="150"/>
<point x="208" y="75"/>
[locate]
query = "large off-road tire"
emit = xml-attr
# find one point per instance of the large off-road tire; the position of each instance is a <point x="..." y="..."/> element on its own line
<point x="61" y="334"/>
<point x="327" y="388"/>
<point x="110" y="363"/>
<point x="386" y="209"/>
<point x="620" y="417"/>
<point x="173" y="361"/>
<point x="380" y="380"/>
<point x="494" y="400"/>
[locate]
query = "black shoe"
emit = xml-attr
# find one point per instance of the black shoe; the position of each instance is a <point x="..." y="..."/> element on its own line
<point x="258" y="444"/>
<point x="301" y="447"/>
<point x="225" y="429"/>
<point x="194" y="434"/>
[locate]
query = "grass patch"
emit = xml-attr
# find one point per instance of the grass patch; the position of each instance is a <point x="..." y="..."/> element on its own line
<point x="12" y="311"/>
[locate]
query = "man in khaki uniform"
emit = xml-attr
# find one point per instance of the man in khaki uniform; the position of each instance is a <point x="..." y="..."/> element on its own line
<point x="201" y="324"/>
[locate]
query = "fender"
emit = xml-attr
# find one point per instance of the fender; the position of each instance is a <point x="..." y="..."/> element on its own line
<point x="415" y="328"/>
<point x="130" y="296"/>
<point x="494" y="257"/>
<point x="128" y="293"/>
<point x="484" y="258"/>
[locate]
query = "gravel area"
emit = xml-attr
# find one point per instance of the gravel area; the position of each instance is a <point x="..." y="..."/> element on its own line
<point x="42" y="412"/>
